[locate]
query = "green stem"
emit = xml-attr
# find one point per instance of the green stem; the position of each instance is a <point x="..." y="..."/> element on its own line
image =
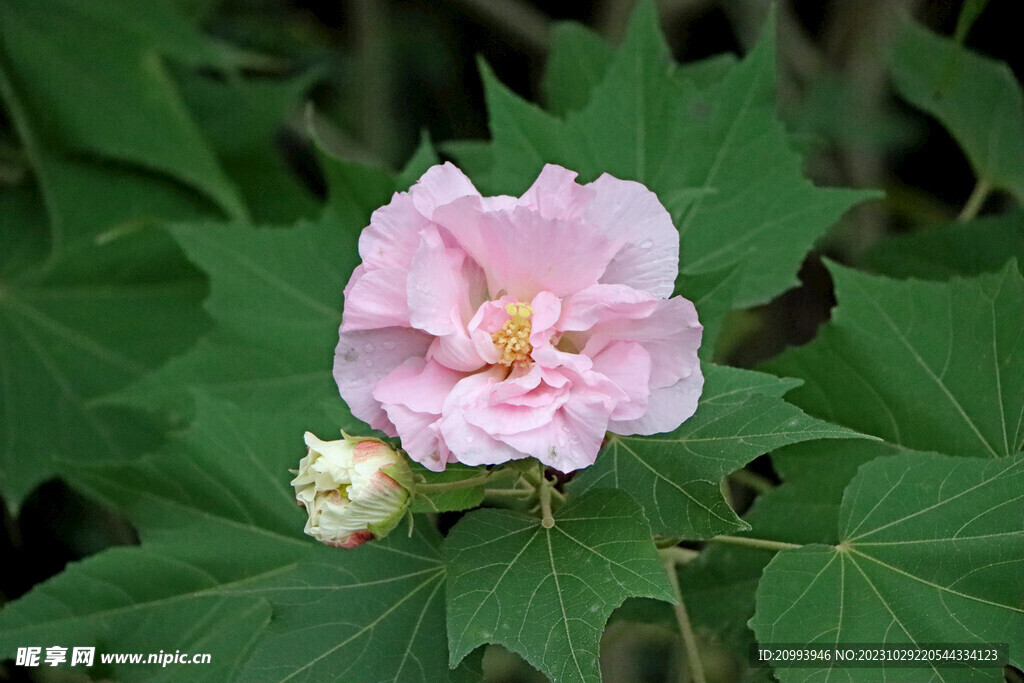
<point x="685" y="628"/>
<point x="544" y="494"/>
<point x="508" y="493"/>
<point x="478" y="480"/>
<point x="759" y="543"/>
<point x="975" y="201"/>
<point x="535" y="476"/>
<point x="752" y="480"/>
<point x="678" y="555"/>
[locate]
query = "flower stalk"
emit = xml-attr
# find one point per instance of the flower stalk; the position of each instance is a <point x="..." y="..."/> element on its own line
<point x="693" y="660"/>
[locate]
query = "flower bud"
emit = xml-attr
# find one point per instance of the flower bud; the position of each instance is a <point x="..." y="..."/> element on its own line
<point x="354" y="490"/>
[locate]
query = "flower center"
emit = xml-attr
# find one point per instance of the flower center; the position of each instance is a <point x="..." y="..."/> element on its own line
<point x="513" y="339"/>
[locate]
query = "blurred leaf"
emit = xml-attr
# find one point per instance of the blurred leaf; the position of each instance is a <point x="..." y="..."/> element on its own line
<point x="716" y="157"/>
<point x="969" y="13"/>
<point x="241" y="119"/>
<point x="71" y="333"/>
<point x="444" y="501"/>
<point x="929" y="366"/>
<point x="576" y="63"/>
<point x="275" y="295"/>
<point x="124" y="108"/>
<point x="977" y="246"/>
<point x="919" y="535"/>
<point x="975" y="98"/>
<point x="225" y="569"/>
<point x="547" y="593"/>
<point x="677" y="476"/>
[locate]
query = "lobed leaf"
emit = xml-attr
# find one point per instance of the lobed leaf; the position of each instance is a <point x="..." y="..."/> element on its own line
<point x="677" y="476"/>
<point x="930" y="551"/>
<point x="710" y="152"/>
<point x="265" y="601"/>
<point x="976" y="99"/>
<point x="928" y="366"/>
<point x="547" y="593"/>
<point x="978" y="246"/>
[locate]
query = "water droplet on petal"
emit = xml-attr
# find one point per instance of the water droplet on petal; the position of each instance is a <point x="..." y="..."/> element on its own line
<point x="646" y="244"/>
<point x="368" y="363"/>
<point x="469" y="438"/>
<point x="368" y="348"/>
<point x="389" y="345"/>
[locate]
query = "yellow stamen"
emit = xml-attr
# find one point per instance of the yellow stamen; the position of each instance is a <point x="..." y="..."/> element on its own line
<point x="513" y="339"/>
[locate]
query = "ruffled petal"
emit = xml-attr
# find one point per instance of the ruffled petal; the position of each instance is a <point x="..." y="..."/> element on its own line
<point x="391" y="238"/>
<point x="619" y="303"/>
<point x="469" y="443"/>
<point x="570" y="441"/>
<point x="555" y="194"/>
<point x="523" y="253"/>
<point x="413" y="395"/>
<point x="375" y="299"/>
<point x="667" y="408"/>
<point x="364" y="357"/>
<point x="629" y="214"/>
<point x="628" y="366"/>
<point x="442" y="287"/>
<point x="440" y="185"/>
<point x="671" y="334"/>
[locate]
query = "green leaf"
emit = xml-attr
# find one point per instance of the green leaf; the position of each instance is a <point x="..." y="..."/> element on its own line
<point x="547" y="593"/>
<point x="223" y="554"/>
<point x="444" y="501"/>
<point x="68" y="335"/>
<point x="677" y="476"/>
<point x="969" y="13"/>
<point x="241" y="119"/>
<point x="712" y="295"/>
<point x="276" y="297"/>
<point x="929" y="366"/>
<point x="977" y="246"/>
<point x="710" y="155"/>
<point x="805" y="507"/>
<point x="576" y="63"/>
<point x="718" y="589"/>
<point x="919" y="535"/>
<point x="125" y="106"/>
<point x="975" y="98"/>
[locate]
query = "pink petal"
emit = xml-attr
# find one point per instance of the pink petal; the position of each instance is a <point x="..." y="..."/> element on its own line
<point x="628" y="366"/>
<point x="459" y="352"/>
<point x="555" y="194"/>
<point x="667" y="408"/>
<point x="391" y="238"/>
<point x="671" y="335"/>
<point x="515" y="405"/>
<point x="418" y="385"/>
<point x="570" y="441"/>
<point x="585" y="309"/>
<point x="469" y="443"/>
<point x="442" y="287"/>
<point x="413" y="395"/>
<point x="547" y="309"/>
<point x="440" y="185"/>
<point x="375" y="299"/>
<point x="523" y="253"/>
<point x="362" y="358"/>
<point x="629" y="214"/>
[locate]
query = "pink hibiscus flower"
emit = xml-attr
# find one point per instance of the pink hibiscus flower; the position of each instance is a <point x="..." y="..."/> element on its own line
<point x="487" y="329"/>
